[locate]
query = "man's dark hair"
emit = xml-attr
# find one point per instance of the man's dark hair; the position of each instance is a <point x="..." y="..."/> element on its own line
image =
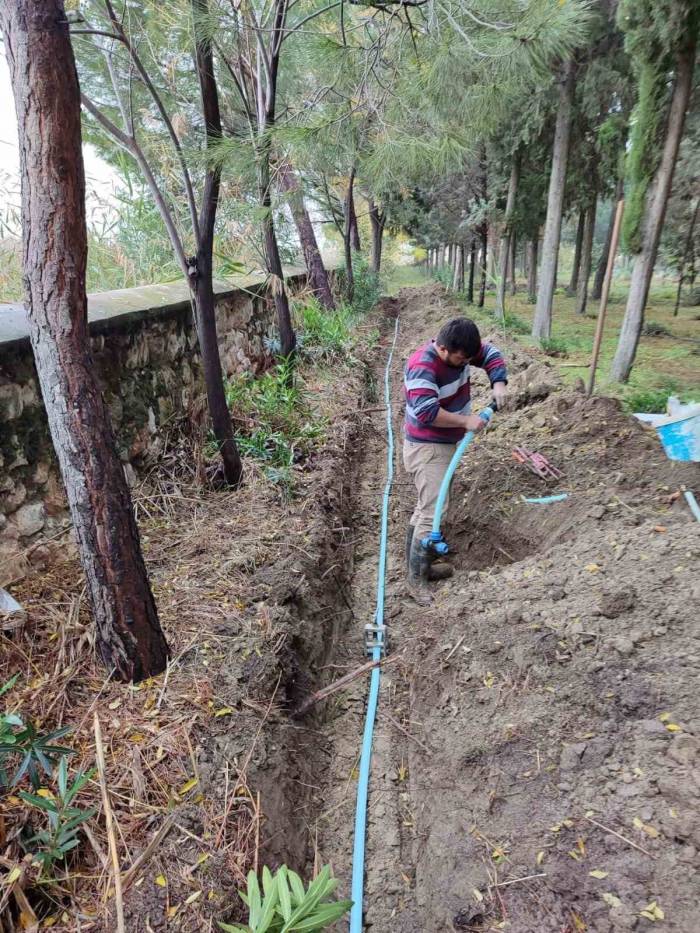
<point x="460" y="334"/>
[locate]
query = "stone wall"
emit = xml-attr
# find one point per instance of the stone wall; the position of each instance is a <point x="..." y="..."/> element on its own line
<point x="146" y="352"/>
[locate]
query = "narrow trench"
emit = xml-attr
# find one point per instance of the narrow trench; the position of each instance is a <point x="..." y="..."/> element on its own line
<point x="329" y="754"/>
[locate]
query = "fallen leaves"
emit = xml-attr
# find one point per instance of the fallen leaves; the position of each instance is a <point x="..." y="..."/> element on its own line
<point x="652" y="912"/>
<point x="597" y="873"/>
<point x="645" y="828"/>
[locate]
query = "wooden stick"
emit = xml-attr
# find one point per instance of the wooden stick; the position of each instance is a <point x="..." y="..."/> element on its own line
<point x="109" y="822"/>
<point x="337" y="685"/>
<point x="140" y="862"/>
<point x="605" y="294"/>
<point x="620" y="836"/>
<point x="397" y="725"/>
<point x="504" y="884"/>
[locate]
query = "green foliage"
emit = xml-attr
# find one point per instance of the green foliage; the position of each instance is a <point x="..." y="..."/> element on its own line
<point x="654" y="329"/>
<point x="52" y="844"/>
<point x="284" y="905"/>
<point x="275" y="424"/>
<point x="22" y="745"/>
<point x="512" y="323"/>
<point x="555" y="346"/>
<point x="367" y="287"/>
<point x="324" y="335"/>
<point x="651" y="400"/>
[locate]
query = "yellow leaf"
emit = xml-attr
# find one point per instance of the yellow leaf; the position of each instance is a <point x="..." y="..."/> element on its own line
<point x="224" y="711"/>
<point x="115" y="704"/>
<point x="664" y="717"/>
<point x="203" y="857"/>
<point x="579" y="922"/>
<point x="14" y="801"/>
<point x="187" y="786"/>
<point x="160" y="752"/>
<point x="489" y="680"/>
<point x="193" y="897"/>
<point x="45" y="793"/>
<point x="611" y="899"/>
<point x="575" y="855"/>
<point x="171" y="911"/>
<point x="597" y="873"/>
<point x="652" y="912"/>
<point x="540" y="858"/>
<point x="478" y="896"/>
<point x="161" y="881"/>
<point x="14" y="875"/>
<point x="673" y="727"/>
<point x="137" y="737"/>
<point x="592" y="568"/>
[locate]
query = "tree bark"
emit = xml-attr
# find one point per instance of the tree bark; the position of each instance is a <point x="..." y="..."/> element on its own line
<point x="318" y="276"/>
<point x="352" y="215"/>
<point x="542" y="324"/>
<point x="507" y="237"/>
<point x="348" y="211"/>
<point x="586" y="256"/>
<point x="377" y="219"/>
<point x="533" y="249"/>
<point x="458" y="274"/>
<point x="572" y="287"/>
<point x="655" y="211"/>
<point x="484" y="233"/>
<point x="687" y="253"/>
<point x="472" y="266"/>
<point x="47" y="100"/>
<point x="597" y="289"/>
<point x="513" y="257"/>
<point x="202" y="279"/>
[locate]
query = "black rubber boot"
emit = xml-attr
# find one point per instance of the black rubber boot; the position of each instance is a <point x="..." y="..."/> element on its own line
<point x="409" y="541"/>
<point x="419" y="573"/>
<point x="440" y="570"/>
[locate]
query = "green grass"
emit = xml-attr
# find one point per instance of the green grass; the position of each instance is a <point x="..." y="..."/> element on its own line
<point x="664" y="364"/>
<point x="403" y="276"/>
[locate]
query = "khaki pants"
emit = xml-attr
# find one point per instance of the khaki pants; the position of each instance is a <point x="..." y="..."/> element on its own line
<point x="427" y="464"/>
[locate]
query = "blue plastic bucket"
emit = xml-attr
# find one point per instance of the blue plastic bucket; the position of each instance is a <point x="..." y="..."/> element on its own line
<point x="680" y="436"/>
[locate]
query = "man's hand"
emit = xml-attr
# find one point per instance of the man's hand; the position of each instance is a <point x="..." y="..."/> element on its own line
<point x="474" y="423"/>
<point x="500" y="394"/>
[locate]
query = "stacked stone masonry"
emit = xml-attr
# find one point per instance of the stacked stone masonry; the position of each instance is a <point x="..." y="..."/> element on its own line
<point x="145" y="347"/>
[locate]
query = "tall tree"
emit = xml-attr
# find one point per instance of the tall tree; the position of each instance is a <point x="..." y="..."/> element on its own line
<point x="104" y="27"/>
<point x="542" y="324"/>
<point x="508" y="235"/>
<point x="47" y="100"/>
<point x="659" y="37"/>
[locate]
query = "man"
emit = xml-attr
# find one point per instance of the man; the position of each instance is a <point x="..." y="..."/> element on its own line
<point x="438" y="415"/>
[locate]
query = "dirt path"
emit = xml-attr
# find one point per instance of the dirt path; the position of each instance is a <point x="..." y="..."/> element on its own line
<point x="536" y="765"/>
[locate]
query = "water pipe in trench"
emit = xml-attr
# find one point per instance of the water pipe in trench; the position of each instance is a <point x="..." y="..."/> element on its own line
<point x="435" y="541"/>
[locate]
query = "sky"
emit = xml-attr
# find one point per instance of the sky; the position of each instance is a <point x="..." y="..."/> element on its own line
<point x="99" y="175"/>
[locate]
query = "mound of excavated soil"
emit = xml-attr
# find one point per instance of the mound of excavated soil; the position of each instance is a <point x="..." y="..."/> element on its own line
<point x="537" y="762"/>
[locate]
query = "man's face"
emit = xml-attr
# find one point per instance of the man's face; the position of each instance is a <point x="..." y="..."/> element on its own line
<point x="456" y="358"/>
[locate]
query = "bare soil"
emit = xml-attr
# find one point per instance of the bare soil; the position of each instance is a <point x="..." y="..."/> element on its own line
<point x="537" y="754"/>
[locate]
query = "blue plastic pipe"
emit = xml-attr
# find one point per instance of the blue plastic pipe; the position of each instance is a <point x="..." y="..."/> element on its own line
<point x="693" y="503"/>
<point x="545" y="500"/>
<point x="435" y="540"/>
<point x="358" y="855"/>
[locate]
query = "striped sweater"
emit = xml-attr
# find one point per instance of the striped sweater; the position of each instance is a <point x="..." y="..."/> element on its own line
<point x="430" y="384"/>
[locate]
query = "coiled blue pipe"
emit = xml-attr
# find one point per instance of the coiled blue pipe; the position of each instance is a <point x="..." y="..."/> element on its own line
<point x="358" y="855"/>
<point x="435" y="540"/>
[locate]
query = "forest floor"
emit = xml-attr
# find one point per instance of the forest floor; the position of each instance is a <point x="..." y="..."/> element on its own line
<point x="537" y="755"/>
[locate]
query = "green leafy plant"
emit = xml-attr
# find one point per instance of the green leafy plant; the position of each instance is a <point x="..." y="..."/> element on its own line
<point x="324" y="335"/>
<point x="285" y="906"/>
<point x="36" y="751"/>
<point x="52" y="844"/>
<point x="513" y="324"/>
<point x="555" y="346"/>
<point x="651" y="400"/>
<point x="654" y="329"/>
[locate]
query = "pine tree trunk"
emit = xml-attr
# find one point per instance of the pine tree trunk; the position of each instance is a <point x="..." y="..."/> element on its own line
<point x="352" y="215"/>
<point x="542" y="325"/>
<point x="533" y="250"/>
<point x="462" y="262"/>
<point x="687" y="253"/>
<point x="655" y="211"/>
<point x="202" y="289"/>
<point x="472" y="266"/>
<point x="47" y="100"/>
<point x="597" y="289"/>
<point x="586" y="251"/>
<point x="318" y="276"/>
<point x="572" y="287"/>
<point x="377" y="221"/>
<point x="507" y="237"/>
<point x="513" y="256"/>
<point x="458" y="275"/>
<point x="484" y="266"/>
<point x="272" y="256"/>
<point x="348" y="210"/>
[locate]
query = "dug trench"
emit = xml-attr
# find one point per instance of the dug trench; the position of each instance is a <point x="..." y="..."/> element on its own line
<point x="536" y="760"/>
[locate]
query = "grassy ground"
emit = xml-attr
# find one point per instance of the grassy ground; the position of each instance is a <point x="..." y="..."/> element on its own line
<point x="668" y="364"/>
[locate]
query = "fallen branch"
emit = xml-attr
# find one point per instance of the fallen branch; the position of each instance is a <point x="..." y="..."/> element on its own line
<point x="141" y="861"/>
<point x="504" y="884"/>
<point x="109" y="822"/>
<point x="339" y="684"/>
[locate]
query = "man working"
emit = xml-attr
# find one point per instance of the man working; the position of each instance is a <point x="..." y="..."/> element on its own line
<point x="438" y="415"/>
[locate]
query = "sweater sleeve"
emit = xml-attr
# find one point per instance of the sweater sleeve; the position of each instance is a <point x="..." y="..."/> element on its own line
<point x="491" y="359"/>
<point x="422" y="395"/>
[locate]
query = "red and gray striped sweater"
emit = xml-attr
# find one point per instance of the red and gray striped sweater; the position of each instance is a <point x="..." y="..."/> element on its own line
<point x="430" y="384"/>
